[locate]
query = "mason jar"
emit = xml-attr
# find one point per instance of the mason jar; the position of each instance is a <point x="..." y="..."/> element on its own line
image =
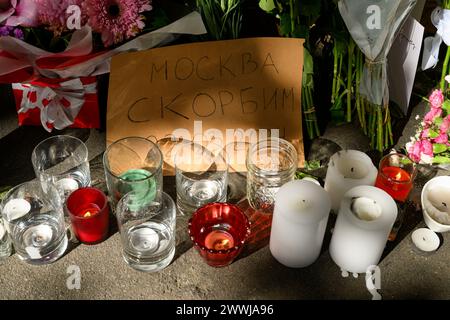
<point x="270" y="164"/>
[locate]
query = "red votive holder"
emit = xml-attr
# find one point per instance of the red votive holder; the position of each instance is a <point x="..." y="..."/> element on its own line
<point x="89" y="214"/>
<point x="396" y="176"/>
<point x="219" y="232"/>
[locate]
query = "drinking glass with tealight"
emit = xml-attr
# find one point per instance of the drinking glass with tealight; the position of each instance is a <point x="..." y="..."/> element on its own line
<point x="201" y="175"/>
<point x="89" y="213"/>
<point x="61" y="163"/>
<point x="35" y="222"/>
<point x="219" y="232"/>
<point x="396" y="175"/>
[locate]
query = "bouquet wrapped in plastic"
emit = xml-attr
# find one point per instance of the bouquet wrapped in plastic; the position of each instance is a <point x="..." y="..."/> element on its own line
<point x="58" y="89"/>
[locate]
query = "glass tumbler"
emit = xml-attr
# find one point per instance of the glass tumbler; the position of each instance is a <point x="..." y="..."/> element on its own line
<point x="270" y="164"/>
<point x="5" y="241"/>
<point x="62" y="161"/>
<point x="147" y="232"/>
<point x="35" y="222"/>
<point x="134" y="165"/>
<point x="201" y="176"/>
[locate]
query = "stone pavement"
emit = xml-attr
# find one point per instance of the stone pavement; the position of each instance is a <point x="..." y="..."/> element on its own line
<point x="256" y="275"/>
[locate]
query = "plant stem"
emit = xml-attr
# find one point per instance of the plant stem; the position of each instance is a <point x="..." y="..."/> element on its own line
<point x="445" y="70"/>
<point x="335" y="66"/>
<point x="351" y="48"/>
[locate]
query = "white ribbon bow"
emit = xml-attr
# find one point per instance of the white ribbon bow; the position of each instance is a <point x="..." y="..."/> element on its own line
<point x="441" y="20"/>
<point x="55" y="112"/>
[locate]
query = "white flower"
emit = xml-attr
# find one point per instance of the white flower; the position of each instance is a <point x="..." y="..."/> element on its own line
<point x="417" y="117"/>
<point x="447" y="78"/>
<point x="425" y="159"/>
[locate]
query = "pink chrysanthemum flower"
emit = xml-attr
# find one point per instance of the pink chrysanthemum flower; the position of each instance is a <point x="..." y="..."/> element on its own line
<point x="116" y="20"/>
<point x="53" y="14"/>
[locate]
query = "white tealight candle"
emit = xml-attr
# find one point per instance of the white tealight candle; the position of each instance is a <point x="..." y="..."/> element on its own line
<point x="299" y="222"/>
<point x="365" y="219"/>
<point x="16" y="208"/>
<point x="346" y="170"/>
<point x="436" y="204"/>
<point x="67" y="184"/>
<point x="425" y="240"/>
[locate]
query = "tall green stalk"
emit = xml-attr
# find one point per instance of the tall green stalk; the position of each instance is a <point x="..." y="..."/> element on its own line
<point x="223" y="19"/>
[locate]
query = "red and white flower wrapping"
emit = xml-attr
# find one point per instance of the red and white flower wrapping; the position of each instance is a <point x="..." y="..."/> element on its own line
<point x="58" y="103"/>
<point x="58" y="90"/>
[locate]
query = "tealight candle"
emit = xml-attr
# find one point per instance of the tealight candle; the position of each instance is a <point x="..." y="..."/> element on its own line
<point x="346" y="170"/>
<point x="299" y="222"/>
<point x="219" y="232"/>
<point x="89" y="213"/>
<point x="16" y="208"/>
<point x="365" y="219"/>
<point x="67" y="184"/>
<point x="436" y="204"/>
<point x="425" y="240"/>
<point x="396" y="175"/>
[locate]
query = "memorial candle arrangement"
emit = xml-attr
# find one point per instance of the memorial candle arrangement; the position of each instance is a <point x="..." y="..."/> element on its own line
<point x="348" y="169"/>
<point x="89" y="214"/>
<point x="299" y="222"/>
<point x="365" y="219"/>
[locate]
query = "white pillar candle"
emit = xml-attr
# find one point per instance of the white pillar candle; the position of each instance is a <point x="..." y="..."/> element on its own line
<point x="436" y="204"/>
<point x="366" y="217"/>
<point x="299" y="222"/>
<point x="348" y="169"/>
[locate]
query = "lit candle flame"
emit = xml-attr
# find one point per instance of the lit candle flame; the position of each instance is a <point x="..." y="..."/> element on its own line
<point x="87" y="214"/>
<point x="223" y="244"/>
<point x="398" y="176"/>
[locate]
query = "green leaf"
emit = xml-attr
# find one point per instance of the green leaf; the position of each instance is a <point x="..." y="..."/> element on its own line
<point x="441" y="160"/>
<point x="285" y="24"/>
<point x="446" y="106"/>
<point x="267" y="5"/>
<point x="438" y="121"/>
<point x="308" y="69"/>
<point x="439" y="148"/>
<point x="434" y="134"/>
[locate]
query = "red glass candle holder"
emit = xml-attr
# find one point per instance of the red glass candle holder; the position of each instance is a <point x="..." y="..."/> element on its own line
<point x="89" y="214"/>
<point x="219" y="232"/>
<point x="396" y="175"/>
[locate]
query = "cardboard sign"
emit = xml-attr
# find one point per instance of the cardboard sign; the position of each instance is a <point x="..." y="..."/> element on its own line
<point x="226" y="91"/>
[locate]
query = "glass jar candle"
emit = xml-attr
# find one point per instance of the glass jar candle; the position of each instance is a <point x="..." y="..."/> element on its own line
<point x="270" y="164"/>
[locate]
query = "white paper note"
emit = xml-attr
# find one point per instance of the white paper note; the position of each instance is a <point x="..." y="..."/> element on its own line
<point x="402" y="62"/>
